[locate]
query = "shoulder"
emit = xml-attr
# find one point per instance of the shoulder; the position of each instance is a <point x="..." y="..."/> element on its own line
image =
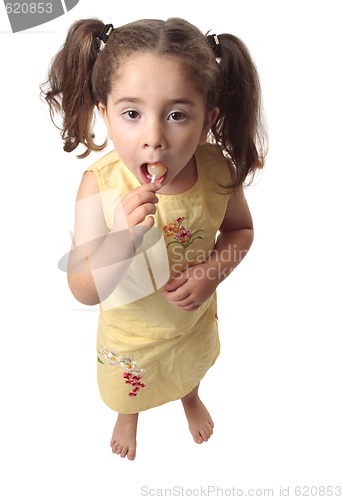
<point x="103" y="169"/>
<point x="213" y="165"/>
<point x="109" y="160"/>
<point x="111" y="174"/>
<point x="94" y="178"/>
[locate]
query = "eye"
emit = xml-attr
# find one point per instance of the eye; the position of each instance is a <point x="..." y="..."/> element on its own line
<point x="131" y="114"/>
<point x="177" y="116"/>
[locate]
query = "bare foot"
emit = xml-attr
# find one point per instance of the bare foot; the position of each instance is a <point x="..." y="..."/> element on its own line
<point x="199" y="420"/>
<point x="123" y="440"/>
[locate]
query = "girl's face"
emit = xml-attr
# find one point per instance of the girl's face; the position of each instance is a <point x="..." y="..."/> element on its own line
<point x="156" y="114"/>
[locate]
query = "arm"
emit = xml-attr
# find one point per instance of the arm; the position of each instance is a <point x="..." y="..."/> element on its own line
<point x="100" y="257"/>
<point x="80" y="281"/>
<point x="235" y="237"/>
<point x="187" y="291"/>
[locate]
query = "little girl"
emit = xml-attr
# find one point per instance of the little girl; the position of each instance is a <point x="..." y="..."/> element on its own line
<point x="162" y="219"/>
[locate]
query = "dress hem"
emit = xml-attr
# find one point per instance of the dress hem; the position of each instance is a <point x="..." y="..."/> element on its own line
<point x="162" y="402"/>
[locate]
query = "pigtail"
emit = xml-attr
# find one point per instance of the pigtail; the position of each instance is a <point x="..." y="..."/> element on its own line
<point x="239" y="126"/>
<point x="68" y="89"/>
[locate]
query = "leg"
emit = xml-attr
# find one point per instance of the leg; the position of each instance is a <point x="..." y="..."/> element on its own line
<point x="199" y="420"/>
<point x="123" y="440"/>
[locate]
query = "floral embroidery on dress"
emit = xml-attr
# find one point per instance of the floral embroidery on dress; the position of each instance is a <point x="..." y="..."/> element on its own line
<point x="131" y="373"/>
<point x="180" y="234"/>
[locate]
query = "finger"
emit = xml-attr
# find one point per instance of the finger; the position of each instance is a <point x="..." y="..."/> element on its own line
<point x="140" y="230"/>
<point x="179" y="294"/>
<point x="134" y="200"/>
<point x="179" y="300"/>
<point x="156" y="186"/>
<point x="143" y="192"/>
<point x="191" y="308"/>
<point x="147" y="223"/>
<point x="140" y="213"/>
<point x="186" y="306"/>
<point x="176" y="283"/>
<point x="150" y="186"/>
<point x="146" y="188"/>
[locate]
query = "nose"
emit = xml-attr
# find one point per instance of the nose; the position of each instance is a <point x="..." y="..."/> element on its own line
<point x="154" y="136"/>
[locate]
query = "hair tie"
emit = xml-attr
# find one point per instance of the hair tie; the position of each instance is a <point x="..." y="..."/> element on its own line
<point x="103" y="37"/>
<point x="215" y="45"/>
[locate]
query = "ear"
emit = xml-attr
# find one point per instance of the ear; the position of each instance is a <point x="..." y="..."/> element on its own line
<point x="103" y="111"/>
<point x="211" y="117"/>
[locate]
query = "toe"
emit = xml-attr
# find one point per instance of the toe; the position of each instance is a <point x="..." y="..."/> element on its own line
<point x="206" y="432"/>
<point x="198" y="439"/>
<point x="114" y="448"/>
<point x="204" y="435"/>
<point x="124" y="452"/>
<point x="131" y="454"/>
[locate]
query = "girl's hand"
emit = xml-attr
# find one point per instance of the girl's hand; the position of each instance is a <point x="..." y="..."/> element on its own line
<point x="137" y="208"/>
<point x="191" y="288"/>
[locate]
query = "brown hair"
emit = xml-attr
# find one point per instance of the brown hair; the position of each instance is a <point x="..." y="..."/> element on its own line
<point x="81" y="75"/>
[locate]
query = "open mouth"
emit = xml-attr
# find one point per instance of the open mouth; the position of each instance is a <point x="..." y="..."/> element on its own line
<point x="155" y="169"/>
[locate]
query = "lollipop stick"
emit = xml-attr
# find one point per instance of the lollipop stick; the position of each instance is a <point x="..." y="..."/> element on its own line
<point x="153" y="179"/>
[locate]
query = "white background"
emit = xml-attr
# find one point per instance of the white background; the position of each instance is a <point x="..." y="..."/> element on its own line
<point x="275" y="393"/>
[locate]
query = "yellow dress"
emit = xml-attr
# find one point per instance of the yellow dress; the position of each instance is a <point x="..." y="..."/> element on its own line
<point x="149" y="353"/>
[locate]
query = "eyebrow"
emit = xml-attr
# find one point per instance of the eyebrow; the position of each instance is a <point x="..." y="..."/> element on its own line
<point x="137" y="100"/>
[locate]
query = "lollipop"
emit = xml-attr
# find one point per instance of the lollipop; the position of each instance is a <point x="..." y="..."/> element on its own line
<point x="156" y="170"/>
